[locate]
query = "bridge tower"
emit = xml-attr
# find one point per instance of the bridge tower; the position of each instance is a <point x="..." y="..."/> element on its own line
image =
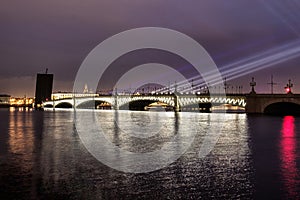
<point x="43" y="89"/>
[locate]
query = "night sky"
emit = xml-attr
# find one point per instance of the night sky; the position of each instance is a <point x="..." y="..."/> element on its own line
<point x="58" y="35"/>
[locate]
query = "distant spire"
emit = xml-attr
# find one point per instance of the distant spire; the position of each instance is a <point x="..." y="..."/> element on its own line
<point x="46" y="70"/>
<point x="85" y="90"/>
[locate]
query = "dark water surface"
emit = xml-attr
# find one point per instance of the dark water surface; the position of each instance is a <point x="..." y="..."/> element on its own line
<point x="42" y="157"/>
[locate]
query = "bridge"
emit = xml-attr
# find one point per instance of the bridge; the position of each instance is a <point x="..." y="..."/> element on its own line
<point x="179" y="102"/>
<point x="251" y="103"/>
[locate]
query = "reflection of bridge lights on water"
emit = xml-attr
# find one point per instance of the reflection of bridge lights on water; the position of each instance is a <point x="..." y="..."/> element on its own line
<point x="288" y="156"/>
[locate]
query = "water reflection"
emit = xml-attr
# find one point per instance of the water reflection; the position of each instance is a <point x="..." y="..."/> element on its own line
<point x="48" y="160"/>
<point x="57" y="156"/>
<point x="21" y="138"/>
<point x="288" y="156"/>
<point x="41" y="157"/>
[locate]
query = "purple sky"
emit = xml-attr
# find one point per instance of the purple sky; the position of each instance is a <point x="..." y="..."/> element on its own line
<point x="59" y="34"/>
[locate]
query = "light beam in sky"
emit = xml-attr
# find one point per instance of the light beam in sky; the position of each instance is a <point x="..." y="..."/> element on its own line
<point x="245" y="66"/>
<point x="287" y="12"/>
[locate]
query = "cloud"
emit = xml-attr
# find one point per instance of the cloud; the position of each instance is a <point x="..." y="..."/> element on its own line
<point x="59" y="34"/>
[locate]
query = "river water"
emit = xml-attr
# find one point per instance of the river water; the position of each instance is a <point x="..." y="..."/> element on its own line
<point x="42" y="156"/>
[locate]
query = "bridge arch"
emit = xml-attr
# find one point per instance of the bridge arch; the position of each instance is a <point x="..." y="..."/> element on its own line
<point x="282" y="108"/>
<point x="123" y="101"/>
<point x="265" y="102"/>
<point x="140" y="104"/>
<point x="64" y="105"/>
<point x="48" y="106"/>
<point x="92" y="104"/>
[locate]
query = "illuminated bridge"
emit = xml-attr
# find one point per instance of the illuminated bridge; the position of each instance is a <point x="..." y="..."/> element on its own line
<point x="178" y="102"/>
<point x="250" y="103"/>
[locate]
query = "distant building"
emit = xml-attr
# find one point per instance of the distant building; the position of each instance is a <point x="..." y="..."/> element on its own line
<point x="43" y="88"/>
<point x="4" y="100"/>
<point x="18" y="102"/>
<point x="70" y="95"/>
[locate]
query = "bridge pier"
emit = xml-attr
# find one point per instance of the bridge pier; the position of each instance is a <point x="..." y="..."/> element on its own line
<point x="254" y="104"/>
<point x="116" y="105"/>
<point x="176" y="103"/>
